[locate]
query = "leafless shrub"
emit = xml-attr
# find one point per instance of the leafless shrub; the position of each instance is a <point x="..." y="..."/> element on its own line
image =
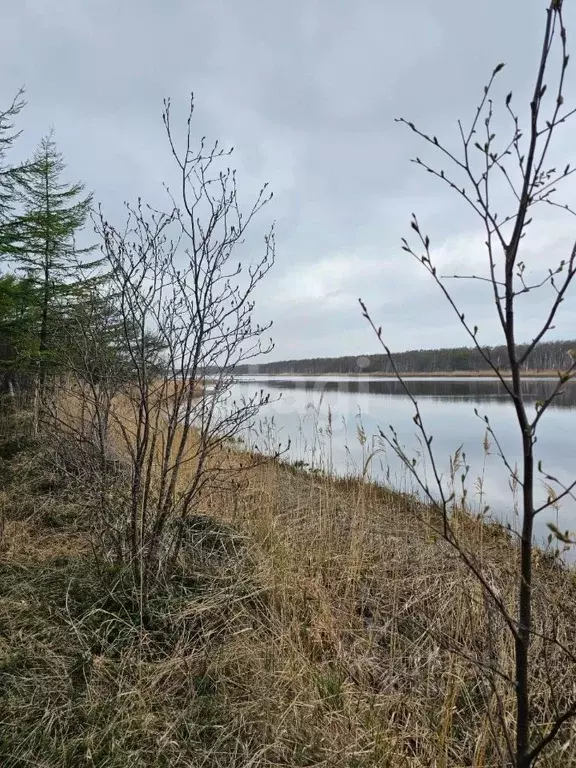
<point x="152" y="362"/>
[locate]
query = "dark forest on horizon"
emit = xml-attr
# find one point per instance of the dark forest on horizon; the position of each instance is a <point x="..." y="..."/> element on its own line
<point x="546" y="356"/>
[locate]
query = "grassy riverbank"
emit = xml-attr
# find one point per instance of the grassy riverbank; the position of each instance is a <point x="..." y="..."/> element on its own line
<point x="319" y="622"/>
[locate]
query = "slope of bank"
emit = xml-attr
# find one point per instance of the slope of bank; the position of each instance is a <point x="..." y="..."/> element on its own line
<point x="317" y="623"/>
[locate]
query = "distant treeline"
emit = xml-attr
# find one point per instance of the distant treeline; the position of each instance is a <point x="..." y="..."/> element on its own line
<point x="550" y="355"/>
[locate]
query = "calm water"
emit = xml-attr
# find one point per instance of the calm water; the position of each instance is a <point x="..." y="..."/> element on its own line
<point x="299" y="412"/>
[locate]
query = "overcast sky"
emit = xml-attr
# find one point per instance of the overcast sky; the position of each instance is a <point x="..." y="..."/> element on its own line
<point x="307" y="92"/>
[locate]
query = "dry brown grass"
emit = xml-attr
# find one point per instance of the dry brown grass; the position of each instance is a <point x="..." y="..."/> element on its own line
<point x="315" y="623"/>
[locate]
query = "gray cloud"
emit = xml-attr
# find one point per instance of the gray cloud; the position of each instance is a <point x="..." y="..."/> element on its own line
<point x="307" y="92"/>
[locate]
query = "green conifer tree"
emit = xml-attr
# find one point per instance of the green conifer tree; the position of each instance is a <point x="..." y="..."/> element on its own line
<point x="54" y="213"/>
<point x="18" y="323"/>
<point x="11" y="176"/>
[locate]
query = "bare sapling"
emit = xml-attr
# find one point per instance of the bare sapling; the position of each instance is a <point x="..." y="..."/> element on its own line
<point x="518" y="172"/>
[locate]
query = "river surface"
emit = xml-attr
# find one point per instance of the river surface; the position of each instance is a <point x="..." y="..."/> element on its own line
<point x="334" y="424"/>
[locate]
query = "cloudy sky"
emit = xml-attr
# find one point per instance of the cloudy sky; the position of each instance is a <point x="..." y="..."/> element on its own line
<point x="307" y="92"/>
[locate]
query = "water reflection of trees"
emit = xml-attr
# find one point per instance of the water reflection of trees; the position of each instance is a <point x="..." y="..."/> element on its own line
<point x="477" y="390"/>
